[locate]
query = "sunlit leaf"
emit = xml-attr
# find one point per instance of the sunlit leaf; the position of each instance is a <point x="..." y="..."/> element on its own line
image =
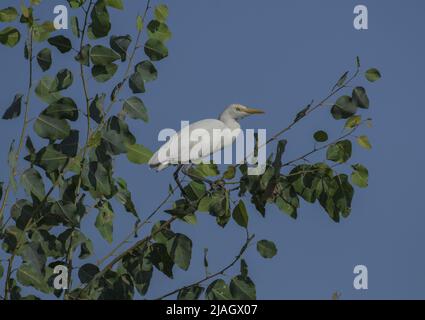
<point x="267" y="249"/>
<point x="360" y="175"/>
<point x="373" y="75"/>
<point x="363" y="141"/>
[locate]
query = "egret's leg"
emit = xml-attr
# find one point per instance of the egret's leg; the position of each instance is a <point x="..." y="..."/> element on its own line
<point x="214" y="185"/>
<point x="176" y="178"/>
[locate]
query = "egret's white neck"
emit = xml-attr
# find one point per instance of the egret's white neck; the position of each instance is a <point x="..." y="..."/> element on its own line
<point x="229" y="121"/>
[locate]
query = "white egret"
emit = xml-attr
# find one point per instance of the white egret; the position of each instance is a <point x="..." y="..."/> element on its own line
<point x="176" y="152"/>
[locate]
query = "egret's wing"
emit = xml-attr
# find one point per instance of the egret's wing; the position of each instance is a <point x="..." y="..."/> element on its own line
<point x="174" y="151"/>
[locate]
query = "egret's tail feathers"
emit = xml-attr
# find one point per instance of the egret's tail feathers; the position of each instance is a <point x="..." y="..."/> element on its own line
<point x="156" y="165"/>
<point x="159" y="166"/>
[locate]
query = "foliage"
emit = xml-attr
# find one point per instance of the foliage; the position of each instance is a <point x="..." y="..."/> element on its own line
<point x="69" y="173"/>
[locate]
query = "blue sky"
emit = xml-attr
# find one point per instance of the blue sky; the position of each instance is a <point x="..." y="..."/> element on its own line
<point x="278" y="56"/>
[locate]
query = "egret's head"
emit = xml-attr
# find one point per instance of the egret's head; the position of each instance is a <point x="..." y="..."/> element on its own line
<point x="238" y="111"/>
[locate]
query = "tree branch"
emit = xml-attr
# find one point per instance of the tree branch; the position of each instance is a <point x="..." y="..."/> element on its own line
<point x="21" y="142"/>
<point x="220" y="272"/>
<point x="315" y="149"/>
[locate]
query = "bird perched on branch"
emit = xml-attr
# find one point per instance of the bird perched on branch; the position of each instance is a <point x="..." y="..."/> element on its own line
<point x="182" y="148"/>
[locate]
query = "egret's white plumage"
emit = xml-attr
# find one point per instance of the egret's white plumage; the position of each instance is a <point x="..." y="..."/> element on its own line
<point x="176" y="152"/>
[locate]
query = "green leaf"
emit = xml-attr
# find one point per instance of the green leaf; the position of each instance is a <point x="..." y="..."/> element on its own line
<point x="64" y="108"/>
<point x="138" y="154"/>
<point x="104" y="73"/>
<point x="229" y="173"/>
<point x="120" y="45"/>
<point x="343" y="108"/>
<point x="158" y="30"/>
<point x="136" y="83"/>
<point x="101" y="24"/>
<point x="124" y="197"/>
<point x="21" y="212"/>
<point x="280" y="150"/>
<point x="135" y="109"/>
<point x="242" y="288"/>
<point x="320" y="136"/>
<point x="12" y="160"/>
<point x="96" y="108"/>
<point x="44" y="59"/>
<point x="66" y="211"/>
<point x="8" y="14"/>
<point x="63" y="80"/>
<point x="33" y="184"/>
<point x="76" y="3"/>
<point x="117" y="4"/>
<point x="244" y="268"/>
<point x="86" y="249"/>
<point x="87" y="272"/>
<point x="179" y="249"/>
<point x="75" y="27"/>
<point x="339" y="152"/>
<point x="28" y="275"/>
<point x="49" y="243"/>
<point x="343" y="194"/>
<point x="83" y="56"/>
<point x="287" y="201"/>
<point x="373" y="75"/>
<point x="46" y="90"/>
<point x="267" y="249"/>
<point x="161" y="12"/>
<point x="105" y="221"/>
<point x="14" y="109"/>
<point x="164" y="235"/>
<point x="51" y="128"/>
<point x="118" y="136"/>
<point x="33" y="254"/>
<point x="363" y="141"/>
<point x="139" y="23"/>
<point x="140" y="268"/>
<point x="9" y="36"/>
<point x="204" y="170"/>
<point x="190" y="293"/>
<point x="98" y="179"/>
<point x="353" y="122"/>
<point x="147" y="70"/>
<point x="11" y="236"/>
<point x="41" y="32"/>
<point x="360" y="98"/>
<point x="218" y="290"/>
<point x="360" y="175"/>
<point x="1" y="270"/>
<point x="50" y="158"/>
<point x="160" y="259"/>
<point x="155" y="50"/>
<point x="240" y="215"/>
<point x="69" y="145"/>
<point x="341" y="80"/>
<point x="101" y="55"/>
<point x="63" y="44"/>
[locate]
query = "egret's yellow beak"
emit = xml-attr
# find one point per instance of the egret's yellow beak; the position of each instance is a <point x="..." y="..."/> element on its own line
<point x="253" y="111"/>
